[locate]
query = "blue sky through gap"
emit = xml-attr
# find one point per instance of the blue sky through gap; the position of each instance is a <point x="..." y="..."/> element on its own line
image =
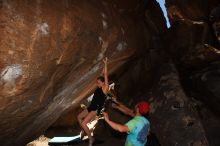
<point x="162" y="5"/>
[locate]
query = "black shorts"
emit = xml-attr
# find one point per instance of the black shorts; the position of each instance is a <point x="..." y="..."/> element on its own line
<point x="95" y="108"/>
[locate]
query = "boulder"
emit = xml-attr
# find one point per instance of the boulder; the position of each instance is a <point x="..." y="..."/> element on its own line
<point x="51" y="53"/>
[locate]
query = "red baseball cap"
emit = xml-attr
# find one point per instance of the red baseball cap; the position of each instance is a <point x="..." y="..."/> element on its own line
<point x="143" y="107"/>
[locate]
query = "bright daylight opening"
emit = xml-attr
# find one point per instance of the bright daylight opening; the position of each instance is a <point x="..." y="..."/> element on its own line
<point x="162" y="5"/>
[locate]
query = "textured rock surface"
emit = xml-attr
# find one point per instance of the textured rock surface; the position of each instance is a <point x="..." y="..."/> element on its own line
<point x="195" y="46"/>
<point x="206" y="83"/>
<point x="194" y="10"/>
<point x="172" y="112"/>
<point x="50" y="55"/>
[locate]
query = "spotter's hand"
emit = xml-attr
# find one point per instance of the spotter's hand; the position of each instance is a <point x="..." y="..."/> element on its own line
<point x="114" y="100"/>
<point x="114" y="105"/>
<point x="105" y="116"/>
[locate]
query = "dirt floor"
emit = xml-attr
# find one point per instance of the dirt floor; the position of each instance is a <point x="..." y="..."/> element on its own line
<point x="65" y="132"/>
<point x="41" y="141"/>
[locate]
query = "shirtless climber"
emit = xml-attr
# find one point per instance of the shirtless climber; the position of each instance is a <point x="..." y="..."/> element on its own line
<point x="137" y="128"/>
<point x="96" y="104"/>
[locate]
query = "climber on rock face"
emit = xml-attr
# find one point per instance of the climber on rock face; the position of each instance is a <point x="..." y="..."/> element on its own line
<point x="137" y="128"/>
<point x="96" y="104"/>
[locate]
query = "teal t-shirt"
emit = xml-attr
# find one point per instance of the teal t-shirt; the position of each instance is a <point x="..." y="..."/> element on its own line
<point x="138" y="130"/>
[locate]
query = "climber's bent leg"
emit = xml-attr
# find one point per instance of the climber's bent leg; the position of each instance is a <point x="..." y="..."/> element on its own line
<point x="87" y="119"/>
<point x="81" y="116"/>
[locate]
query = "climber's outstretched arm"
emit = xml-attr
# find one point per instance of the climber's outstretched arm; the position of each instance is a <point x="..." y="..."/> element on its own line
<point x="105" y="72"/>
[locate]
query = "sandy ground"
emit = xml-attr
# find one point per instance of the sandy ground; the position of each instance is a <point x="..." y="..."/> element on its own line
<point x="41" y="141"/>
<point x="73" y="131"/>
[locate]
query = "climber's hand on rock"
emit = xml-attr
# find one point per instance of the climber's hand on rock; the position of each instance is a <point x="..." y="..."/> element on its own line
<point x="105" y="60"/>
